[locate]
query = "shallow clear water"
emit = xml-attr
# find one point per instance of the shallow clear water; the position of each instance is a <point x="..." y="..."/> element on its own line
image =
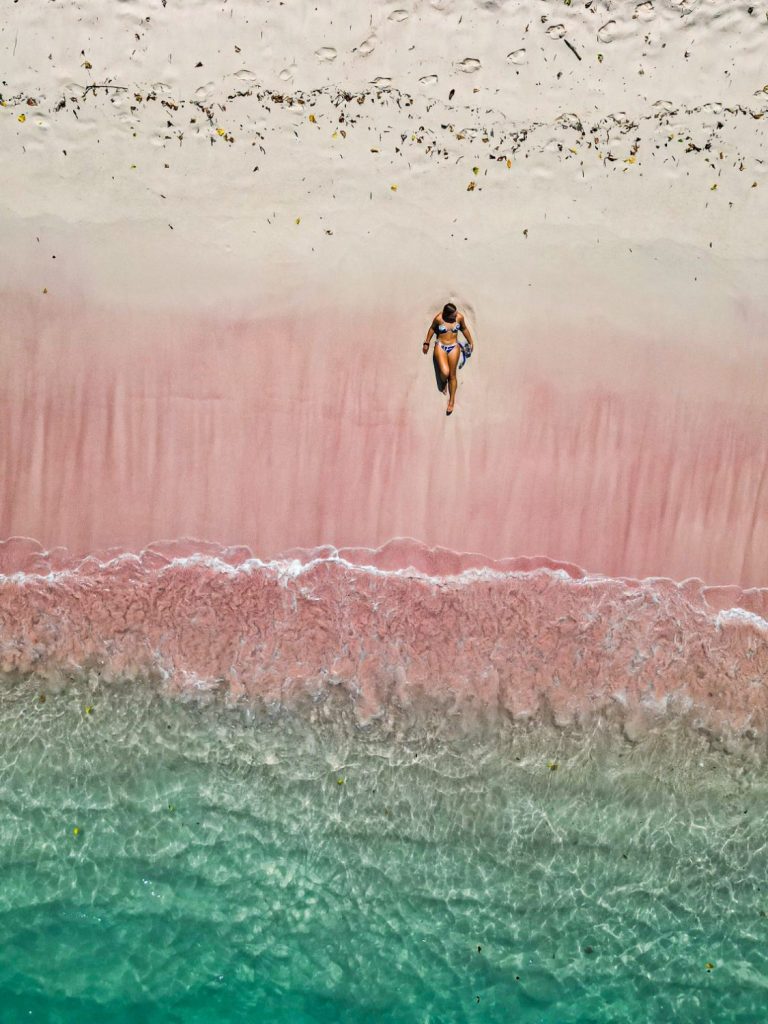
<point x="235" y="867"/>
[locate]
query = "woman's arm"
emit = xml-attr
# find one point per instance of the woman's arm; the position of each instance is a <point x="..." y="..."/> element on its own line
<point x="466" y="332"/>
<point x="430" y="332"/>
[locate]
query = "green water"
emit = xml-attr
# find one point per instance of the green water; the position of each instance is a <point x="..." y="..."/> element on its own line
<point x="235" y="867"/>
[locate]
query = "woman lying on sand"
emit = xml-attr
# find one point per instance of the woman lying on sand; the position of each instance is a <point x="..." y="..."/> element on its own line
<point x="448" y="348"/>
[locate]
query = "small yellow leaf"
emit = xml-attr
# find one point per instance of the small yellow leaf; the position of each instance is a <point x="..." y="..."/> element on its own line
<point x="298" y="220"/>
<point x="754" y="184"/>
<point x="335" y="135"/>
<point x="393" y="187"/>
<point x="475" y="170"/>
<point x="572" y="150"/>
<point x="45" y="292"/>
<point x="87" y="65"/>
<point x="509" y="164"/>
<point x="631" y="160"/>
<point x="312" y="119"/>
<point x="713" y="188"/>
<point x="552" y="765"/>
<point x="133" y="167"/>
<point x="22" y="118"/>
<point x="220" y="131"/>
<point x="709" y="966"/>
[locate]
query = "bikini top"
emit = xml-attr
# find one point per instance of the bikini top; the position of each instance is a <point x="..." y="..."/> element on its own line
<point x="454" y="328"/>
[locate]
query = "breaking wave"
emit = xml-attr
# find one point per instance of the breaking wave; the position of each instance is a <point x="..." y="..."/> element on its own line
<point x="390" y="630"/>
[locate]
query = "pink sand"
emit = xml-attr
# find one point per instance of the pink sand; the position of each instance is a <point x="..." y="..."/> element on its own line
<point x="121" y="428"/>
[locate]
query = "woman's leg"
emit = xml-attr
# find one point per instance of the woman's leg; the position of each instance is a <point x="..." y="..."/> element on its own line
<point x="452" y="360"/>
<point x="442" y="363"/>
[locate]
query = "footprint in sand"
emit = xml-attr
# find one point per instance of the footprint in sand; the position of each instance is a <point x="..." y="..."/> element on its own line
<point x="382" y="83"/>
<point x="398" y="15"/>
<point x="287" y="74"/>
<point x="428" y="80"/>
<point x="326" y="54"/>
<point x="644" y="10"/>
<point x="469" y="65"/>
<point x="517" y="57"/>
<point x="367" y="46"/>
<point x="607" y="32"/>
<point x="569" y="120"/>
<point x="246" y="76"/>
<point x="556" y="31"/>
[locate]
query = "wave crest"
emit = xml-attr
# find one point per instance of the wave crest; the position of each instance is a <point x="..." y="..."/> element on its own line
<point x="523" y="637"/>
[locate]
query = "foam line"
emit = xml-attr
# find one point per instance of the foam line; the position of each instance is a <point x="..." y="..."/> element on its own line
<point x="520" y="643"/>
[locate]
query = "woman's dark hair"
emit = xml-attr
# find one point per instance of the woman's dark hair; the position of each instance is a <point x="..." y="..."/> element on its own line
<point x="449" y="311"/>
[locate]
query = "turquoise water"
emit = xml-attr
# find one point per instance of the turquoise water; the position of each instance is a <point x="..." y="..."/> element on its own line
<point x="230" y="866"/>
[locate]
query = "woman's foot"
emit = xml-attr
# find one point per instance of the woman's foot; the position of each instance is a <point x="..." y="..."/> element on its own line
<point x="449" y="410"/>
